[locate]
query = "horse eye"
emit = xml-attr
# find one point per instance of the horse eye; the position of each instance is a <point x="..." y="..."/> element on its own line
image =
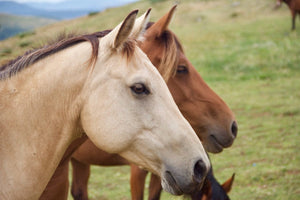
<point x="139" y="89"/>
<point x="181" y="69"/>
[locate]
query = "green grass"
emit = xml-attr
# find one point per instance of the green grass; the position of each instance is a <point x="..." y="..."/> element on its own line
<point x="248" y="55"/>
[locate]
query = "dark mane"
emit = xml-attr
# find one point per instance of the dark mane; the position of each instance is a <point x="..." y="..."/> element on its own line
<point x="63" y="42"/>
<point x="170" y="57"/>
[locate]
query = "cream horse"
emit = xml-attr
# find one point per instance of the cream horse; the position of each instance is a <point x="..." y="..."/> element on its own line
<point x="52" y="96"/>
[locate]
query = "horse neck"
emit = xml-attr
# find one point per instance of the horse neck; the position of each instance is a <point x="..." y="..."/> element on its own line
<point x="39" y="117"/>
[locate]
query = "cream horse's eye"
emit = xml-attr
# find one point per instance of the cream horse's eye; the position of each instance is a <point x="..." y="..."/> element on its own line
<point x="139" y="89"/>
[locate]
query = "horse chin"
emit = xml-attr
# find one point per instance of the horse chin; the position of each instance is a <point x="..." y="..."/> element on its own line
<point x="169" y="184"/>
<point x="209" y="141"/>
<point x="214" y="145"/>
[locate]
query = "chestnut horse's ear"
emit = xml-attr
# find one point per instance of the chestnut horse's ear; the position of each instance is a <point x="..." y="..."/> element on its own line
<point x="162" y="24"/>
<point x="120" y="33"/>
<point x="140" y="26"/>
<point x="228" y="184"/>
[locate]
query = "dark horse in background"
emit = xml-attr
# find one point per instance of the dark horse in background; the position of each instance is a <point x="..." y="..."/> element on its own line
<point x="212" y="190"/>
<point x="294" y="6"/>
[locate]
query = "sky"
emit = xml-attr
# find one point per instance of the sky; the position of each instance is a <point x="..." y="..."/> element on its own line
<point x="73" y="4"/>
<point x="55" y="1"/>
<point x="38" y="1"/>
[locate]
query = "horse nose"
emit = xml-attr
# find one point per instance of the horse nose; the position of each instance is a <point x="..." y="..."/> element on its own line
<point x="200" y="171"/>
<point x="234" y="128"/>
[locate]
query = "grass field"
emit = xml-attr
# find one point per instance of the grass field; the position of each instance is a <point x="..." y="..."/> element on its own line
<point x="246" y="52"/>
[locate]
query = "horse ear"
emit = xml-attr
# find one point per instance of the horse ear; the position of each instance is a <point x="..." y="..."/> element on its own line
<point x="140" y="26"/>
<point x="162" y="24"/>
<point x="228" y="184"/>
<point x="120" y="33"/>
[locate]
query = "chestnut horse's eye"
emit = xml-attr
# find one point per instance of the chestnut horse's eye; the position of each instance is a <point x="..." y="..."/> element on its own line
<point x="181" y="69"/>
<point x="139" y="89"/>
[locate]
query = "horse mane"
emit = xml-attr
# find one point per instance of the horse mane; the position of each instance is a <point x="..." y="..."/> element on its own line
<point x="63" y="41"/>
<point x="170" y="57"/>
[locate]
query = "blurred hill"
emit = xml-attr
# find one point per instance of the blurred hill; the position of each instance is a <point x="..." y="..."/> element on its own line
<point x="14" y="8"/>
<point x="11" y="24"/>
<point x="19" y="17"/>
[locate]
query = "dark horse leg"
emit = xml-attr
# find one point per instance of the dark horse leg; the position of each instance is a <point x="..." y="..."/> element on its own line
<point x="58" y="186"/>
<point x="154" y="188"/>
<point x="86" y="155"/>
<point x="137" y="182"/>
<point x="81" y="174"/>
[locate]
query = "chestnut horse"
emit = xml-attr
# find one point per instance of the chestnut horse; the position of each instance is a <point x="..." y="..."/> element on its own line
<point x="105" y="88"/>
<point x="210" y="117"/>
<point x="294" y="6"/>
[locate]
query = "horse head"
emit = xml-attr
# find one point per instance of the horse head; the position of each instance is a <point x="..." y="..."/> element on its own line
<point x="208" y="114"/>
<point x="128" y="109"/>
<point x="212" y="190"/>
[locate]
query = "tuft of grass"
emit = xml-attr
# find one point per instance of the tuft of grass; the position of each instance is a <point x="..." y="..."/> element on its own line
<point x="234" y="14"/>
<point x="5" y="51"/>
<point x="26" y="34"/>
<point x="92" y="14"/>
<point x="24" y="44"/>
<point x="156" y="1"/>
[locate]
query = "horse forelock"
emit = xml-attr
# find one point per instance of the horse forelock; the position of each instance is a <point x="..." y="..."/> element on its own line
<point x="64" y="41"/>
<point x="128" y="48"/>
<point x="170" y="56"/>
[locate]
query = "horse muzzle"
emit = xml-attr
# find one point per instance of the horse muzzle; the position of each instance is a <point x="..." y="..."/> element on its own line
<point x="185" y="183"/>
<point x="219" y="138"/>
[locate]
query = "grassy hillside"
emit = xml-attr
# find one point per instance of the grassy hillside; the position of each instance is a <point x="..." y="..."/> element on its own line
<point x="246" y="52"/>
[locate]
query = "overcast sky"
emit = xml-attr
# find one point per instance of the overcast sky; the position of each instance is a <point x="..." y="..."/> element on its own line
<point x="40" y="1"/>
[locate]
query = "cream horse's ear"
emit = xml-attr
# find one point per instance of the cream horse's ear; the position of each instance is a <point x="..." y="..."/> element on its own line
<point x="140" y="26"/>
<point x="162" y="24"/>
<point x="120" y="33"/>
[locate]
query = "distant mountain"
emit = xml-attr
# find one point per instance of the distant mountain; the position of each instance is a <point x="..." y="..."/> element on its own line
<point x="62" y="10"/>
<point x="13" y="20"/>
<point x="14" y="8"/>
<point x="11" y="25"/>
<point x="90" y="5"/>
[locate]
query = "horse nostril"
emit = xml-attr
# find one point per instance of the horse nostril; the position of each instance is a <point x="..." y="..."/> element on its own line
<point x="234" y="128"/>
<point x="200" y="171"/>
